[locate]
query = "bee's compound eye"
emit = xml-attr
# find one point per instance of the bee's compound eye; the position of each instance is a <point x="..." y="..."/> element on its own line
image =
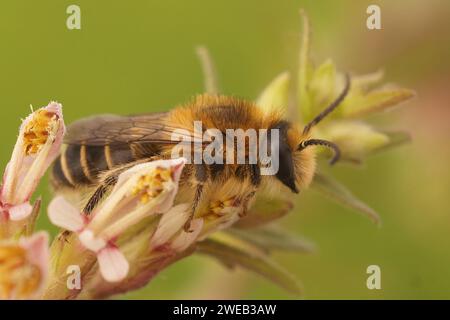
<point x="286" y="172"/>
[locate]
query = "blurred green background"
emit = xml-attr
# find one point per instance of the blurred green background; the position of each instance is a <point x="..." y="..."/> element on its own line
<point x="138" y="56"/>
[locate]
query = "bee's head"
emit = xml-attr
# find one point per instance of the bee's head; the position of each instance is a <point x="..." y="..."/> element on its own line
<point x="297" y="161"/>
<point x="295" y="168"/>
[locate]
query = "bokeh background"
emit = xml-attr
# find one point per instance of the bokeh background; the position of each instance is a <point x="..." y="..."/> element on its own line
<point x="138" y="56"/>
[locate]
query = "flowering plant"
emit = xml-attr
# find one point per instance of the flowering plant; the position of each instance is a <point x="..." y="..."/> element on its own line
<point x="138" y="230"/>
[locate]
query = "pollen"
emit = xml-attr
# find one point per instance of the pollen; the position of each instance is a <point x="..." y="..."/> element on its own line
<point x="149" y="186"/>
<point x="19" y="278"/>
<point x="38" y="130"/>
<point x="219" y="208"/>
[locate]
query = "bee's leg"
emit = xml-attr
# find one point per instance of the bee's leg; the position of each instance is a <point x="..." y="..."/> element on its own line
<point x="109" y="181"/>
<point x="201" y="176"/>
<point x="255" y="175"/>
<point x="254" y="172"/>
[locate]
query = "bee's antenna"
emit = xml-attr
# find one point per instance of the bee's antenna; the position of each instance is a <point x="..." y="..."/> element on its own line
<point x="314" y="142"/>
<point x="331" y="107"/>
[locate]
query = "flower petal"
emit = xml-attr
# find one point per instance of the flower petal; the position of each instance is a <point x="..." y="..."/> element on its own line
<point x="64" y="215"/>
<point x="38" y="144"/>
<point x="37" y="250"/>
<point x="20" y="211"/>
<point x="171" y="222"/>
<point x="113" y="265"/>
<point x="136" y="185"/>
<point x="46" y="155"/>
<point x="123" y="177"/>
<point x="186" y="239"/>
<point x="90" y="241"/>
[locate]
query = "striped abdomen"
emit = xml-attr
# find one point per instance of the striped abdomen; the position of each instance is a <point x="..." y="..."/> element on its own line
<point x="82" y="164"/>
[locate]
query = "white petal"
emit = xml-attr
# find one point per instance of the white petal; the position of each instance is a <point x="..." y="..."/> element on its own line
<point x="91" y="242"/>
<point x="171" y="222"/>
<point x="20" y="212"/>
<point x="113" y="265"/>
<point x="145" y="167"/>
<point x="64" y="215"/>
<point x="185" y="239"/>
<point x="124" y="219"/>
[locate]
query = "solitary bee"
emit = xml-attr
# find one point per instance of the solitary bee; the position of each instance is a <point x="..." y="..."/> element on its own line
<point x="97" y="149"/>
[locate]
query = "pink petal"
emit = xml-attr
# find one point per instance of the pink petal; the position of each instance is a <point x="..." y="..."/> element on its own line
<point x="55" y="107"/>
<point x="38" y="254"/>
<point x="178" y="165"/>
<point x="55" y="147"/>
<point x="37" y="249"/>
<point x="25" y="171"/>
<point x="186" y="239"/>
<point x="55" y="150"/>
<point x="20" y="211"/>
<point x="90" y="241"/>
<point x="113" y="265"/>
<point x="64" y="215"/>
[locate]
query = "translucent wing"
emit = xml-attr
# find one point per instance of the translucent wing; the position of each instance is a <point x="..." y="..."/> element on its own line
<point x="110" y="129"/>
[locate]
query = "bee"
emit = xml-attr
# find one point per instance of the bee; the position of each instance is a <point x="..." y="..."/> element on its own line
<point x="97" y="149"/>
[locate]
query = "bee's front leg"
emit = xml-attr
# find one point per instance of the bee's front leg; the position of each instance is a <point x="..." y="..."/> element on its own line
<point x="200" y="176"/>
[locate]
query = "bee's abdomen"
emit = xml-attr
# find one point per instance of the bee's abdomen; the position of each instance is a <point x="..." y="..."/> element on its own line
<point x="81" y="164"/>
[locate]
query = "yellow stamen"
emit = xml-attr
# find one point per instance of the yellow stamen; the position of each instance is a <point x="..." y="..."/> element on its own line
<point x="218" y="208"/>
<point x="18" y="277"/>
<point x="150" y="185"/>
<point x="38" y="130"/>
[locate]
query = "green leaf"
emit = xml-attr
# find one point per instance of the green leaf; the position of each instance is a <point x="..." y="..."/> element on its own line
<point x="396" y="138"/>
<point x="365" y="81"/>
<point x="276" y="93"/>
<point x="273" y="238"/>
<point x="322" y="86"/>
<point x="266" y="208"/>
<point x="252" y="260"/>
<point x="359" y="105"/>
<point x="355" y="139"/>
<point x="339" y="193"/>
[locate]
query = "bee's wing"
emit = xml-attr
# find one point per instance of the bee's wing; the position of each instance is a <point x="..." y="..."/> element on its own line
<point x="110" y="129"/>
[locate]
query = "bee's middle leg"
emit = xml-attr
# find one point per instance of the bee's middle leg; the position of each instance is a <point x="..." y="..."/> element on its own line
<point x="201" y="176"/>
<point x="254" y="173"/>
